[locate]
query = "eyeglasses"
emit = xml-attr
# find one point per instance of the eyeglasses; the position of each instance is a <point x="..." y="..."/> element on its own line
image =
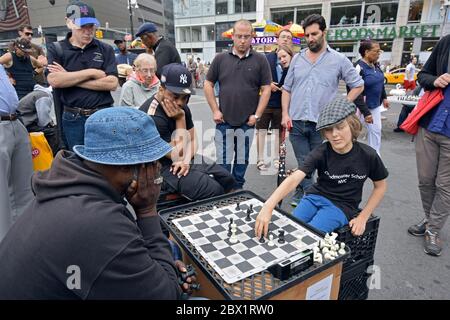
<point x="29" y="34"/>
<point x="285" y="37"/>
<point x="243" y="36"/>
<point x="151" y="71"/>
<point x="377" y="51"/>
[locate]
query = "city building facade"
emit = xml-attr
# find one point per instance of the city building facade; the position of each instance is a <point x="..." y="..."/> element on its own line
<point x="114" y="17"/>
<point x="402" y="27"/>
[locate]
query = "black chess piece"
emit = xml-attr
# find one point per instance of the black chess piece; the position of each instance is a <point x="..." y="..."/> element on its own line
<point x="251" y="208"/>
<point x="231" y="222"/>
<point x="229" y="231"/>
<point x="238" y="207"/>
<point x="281" y="236"/>
<point x="248" y="219"/>
<point x="261" y="240"/>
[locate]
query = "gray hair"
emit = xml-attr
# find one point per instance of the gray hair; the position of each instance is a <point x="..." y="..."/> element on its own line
<point x="144" y="57"/>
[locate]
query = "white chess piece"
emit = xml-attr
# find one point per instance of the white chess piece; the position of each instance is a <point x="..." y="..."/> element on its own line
<point x="342" y="245"/>
<point x="270" y="243"/>
<point x="233" y="238"/>
<point x="341" y="252"/>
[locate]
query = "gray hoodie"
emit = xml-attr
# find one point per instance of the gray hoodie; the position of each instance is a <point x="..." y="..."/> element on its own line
<point x="36" y="107"/>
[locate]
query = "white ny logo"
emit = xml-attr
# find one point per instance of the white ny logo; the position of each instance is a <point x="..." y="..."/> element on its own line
<point x="183" y="78"/>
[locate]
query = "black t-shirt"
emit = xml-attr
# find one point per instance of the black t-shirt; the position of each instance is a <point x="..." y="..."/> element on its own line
<point x="240" y="81"/>
<point x="96" y="55"/>
<point x="165" y="125"/>
<point x="341" y="176"/>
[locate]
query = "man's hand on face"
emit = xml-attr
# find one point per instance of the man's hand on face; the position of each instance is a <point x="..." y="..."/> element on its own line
<point x="171" y="109"/>
<point x="143" y="191"/>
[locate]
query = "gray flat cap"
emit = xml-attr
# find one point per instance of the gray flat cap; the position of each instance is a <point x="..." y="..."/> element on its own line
<point x="335" y="111"/>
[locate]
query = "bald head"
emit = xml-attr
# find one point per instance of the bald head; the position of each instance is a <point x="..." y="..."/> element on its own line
<point x="244" y="23"/>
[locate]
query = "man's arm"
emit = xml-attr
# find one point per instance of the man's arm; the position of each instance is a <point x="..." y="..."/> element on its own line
<point x="6" y="59"/>
<point x="208" y="88"/>
<point x="60" y="78"/>
<point x="35" y="62"/>
<point x="352" y="79"/>
<point x="354" y="93"/>
<point x="262" y="104"/>
<point x="428" y="76"/>
<point x="108" y="83"/>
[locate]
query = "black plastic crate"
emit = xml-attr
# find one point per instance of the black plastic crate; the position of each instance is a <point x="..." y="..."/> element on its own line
<point x="362" y="247"/>
<point x="170" y="200"/>
<point x="354" y="280"/>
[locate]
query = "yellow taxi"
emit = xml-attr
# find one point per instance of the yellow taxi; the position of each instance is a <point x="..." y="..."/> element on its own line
<point x="397" y="76"/>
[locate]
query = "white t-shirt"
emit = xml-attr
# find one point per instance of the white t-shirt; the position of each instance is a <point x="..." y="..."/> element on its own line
<point x="410" y="71"/>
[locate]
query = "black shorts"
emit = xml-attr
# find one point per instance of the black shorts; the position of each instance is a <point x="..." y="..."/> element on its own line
<point x="270" y="115"/>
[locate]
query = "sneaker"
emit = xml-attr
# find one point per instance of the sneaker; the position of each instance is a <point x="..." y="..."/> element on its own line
<point x="419" y="229"/>
<point x="398" y="130"/>
<point x="433" y="245"/>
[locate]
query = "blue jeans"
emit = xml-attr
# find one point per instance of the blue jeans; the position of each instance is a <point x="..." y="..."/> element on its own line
<point x="304" y="138"/>
<point x="406" y="110"/>
<point x="73" y="128"/>
<point x="233" y="147"/>
<point x="320" y="213"/>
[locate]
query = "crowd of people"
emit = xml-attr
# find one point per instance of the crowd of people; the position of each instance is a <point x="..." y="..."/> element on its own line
<point x="96" y="207"/>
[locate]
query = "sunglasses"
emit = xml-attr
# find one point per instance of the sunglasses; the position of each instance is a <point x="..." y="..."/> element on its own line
<point x="29" y="34"/>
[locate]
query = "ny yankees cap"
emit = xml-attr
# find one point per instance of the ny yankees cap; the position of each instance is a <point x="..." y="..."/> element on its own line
<point x="176" y="78"/>
<point x="81" y="14"/>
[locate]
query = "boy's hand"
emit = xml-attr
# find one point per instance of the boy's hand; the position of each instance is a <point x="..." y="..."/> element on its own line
<point x="358" y="225"/>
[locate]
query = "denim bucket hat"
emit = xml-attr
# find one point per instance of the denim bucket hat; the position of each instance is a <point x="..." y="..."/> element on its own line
<point x="334" y="112"/>
<point x="121" y="136"/>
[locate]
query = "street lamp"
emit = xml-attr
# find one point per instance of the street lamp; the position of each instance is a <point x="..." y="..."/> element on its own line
<point x="131" y="4"/>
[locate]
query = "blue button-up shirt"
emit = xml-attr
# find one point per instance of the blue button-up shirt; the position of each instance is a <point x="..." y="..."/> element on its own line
<point x="312" y="86"/>
<point x="8" y="96"/>
<point x="440" y="122"/>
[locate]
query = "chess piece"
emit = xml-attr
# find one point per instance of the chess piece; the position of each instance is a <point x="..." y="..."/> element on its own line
<point x="233" y="238"/>
<point x="238" y="207"/>
<point x="270" y="243"/>
<point x="248" y="216"/>
<point x="229" y="231"/>
<point x="281" y="236"/>
<point x="261" y="240"/>
<point x="231" y="221"/>
<point x="251" y="208"/>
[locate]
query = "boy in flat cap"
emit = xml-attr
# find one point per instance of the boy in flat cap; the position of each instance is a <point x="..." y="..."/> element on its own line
<point x="343" y="165"/>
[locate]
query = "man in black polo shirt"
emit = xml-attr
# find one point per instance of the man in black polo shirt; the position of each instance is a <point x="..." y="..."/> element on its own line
<point x="168" y="108"/>
<point x="244" y="78"/>
<point x="84" y="69"/>
<point x="164" y="51"/>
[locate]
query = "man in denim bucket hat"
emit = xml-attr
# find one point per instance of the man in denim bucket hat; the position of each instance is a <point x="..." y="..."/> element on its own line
<point x="90" y="246"/>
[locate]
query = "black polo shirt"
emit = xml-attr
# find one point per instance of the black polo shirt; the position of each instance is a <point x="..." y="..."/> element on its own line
<point x="240" y="81"/>
<point x="96" y="55"/>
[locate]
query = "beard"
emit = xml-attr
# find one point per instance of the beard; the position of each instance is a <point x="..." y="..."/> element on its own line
<point x="316" y="46"/>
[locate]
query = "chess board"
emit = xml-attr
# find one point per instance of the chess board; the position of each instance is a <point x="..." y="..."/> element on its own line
<point x="208" y="232"/>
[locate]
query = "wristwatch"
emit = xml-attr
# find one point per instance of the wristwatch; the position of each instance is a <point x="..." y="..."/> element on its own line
<point x="257" y="117"/>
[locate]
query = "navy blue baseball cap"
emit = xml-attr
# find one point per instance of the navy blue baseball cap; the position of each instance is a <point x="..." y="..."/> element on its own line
<point x="81" y="14"/>
<point x="146" y="27"/>
<point x="176" y="78"/>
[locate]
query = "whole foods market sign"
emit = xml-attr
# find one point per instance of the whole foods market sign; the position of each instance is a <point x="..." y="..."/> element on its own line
<point x="387" y="32"/>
